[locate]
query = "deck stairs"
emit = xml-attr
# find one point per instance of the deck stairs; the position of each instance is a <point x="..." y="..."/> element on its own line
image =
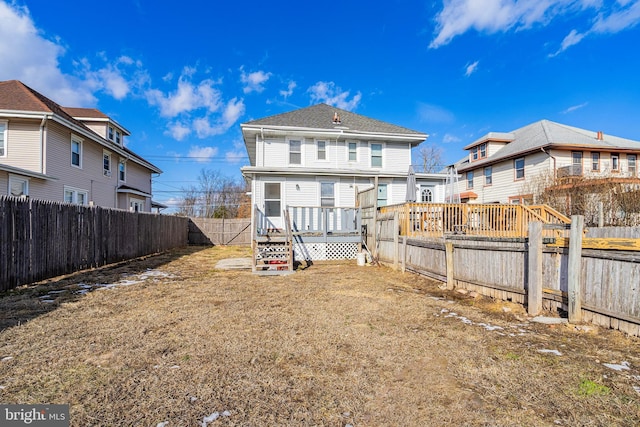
<point x="273" y="251"/>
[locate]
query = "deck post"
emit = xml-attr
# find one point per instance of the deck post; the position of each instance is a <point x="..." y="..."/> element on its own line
<point x="448" y="246"/>
<point x="534" y="285"/>
<point x="574" y="269"/>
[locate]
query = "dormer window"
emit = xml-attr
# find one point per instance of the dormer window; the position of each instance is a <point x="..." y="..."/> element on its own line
<point x="118" y="138"/>
<point x="110" y="133"/>
<point x="479" y="151"/>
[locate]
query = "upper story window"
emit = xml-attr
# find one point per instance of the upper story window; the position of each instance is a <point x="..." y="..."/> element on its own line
<point x="488" y="175"/>
<point x="106" y="163"/>
<point x="327" y="194"/>
<point x="3" y="138"/>
<point x="595" y="162"/>
<point x="18" y="186"/>
<point x="322" y="150"/>
<point x="76" y="152"/>
<point x="110" y="134"/>
<point x="469" y="180"/>
<point x="118" y="138"/>
<point x="295" y="152"/>
<point x="353" y="151"/>
<point x="376" y="155"/>
<point x="631" y="164"/>
<point x="479" y="151"/>
<point x="122" y="171"/>
<point x="576" y="163"/>
<point x="518" y="166"/>
<point x="615" y="162"/>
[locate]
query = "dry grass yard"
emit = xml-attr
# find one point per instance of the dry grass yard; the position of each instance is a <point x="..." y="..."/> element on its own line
<point x="176" y="341"/>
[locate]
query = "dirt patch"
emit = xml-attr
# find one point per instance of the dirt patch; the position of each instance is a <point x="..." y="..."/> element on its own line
<point x="172" y="339"/>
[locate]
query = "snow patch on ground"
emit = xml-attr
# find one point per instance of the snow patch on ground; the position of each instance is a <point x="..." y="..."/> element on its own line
<point x="618" y="367"/>
<point x="554" y="352"/>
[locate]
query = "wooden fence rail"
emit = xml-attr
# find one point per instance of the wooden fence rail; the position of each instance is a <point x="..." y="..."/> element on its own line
<point x="42" y="239"/>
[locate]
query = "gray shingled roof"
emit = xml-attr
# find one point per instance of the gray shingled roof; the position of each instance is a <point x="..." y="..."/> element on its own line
<point x="545" y="133"/>
<point x="320" y="116"/>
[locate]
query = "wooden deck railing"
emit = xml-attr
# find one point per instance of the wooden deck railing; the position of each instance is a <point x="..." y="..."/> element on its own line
<point x="496" y="220"/>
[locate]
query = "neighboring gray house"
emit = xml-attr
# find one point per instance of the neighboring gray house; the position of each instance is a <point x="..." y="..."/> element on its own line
<point x="73" y="155"/>
<point x="320" y="156"/>
<point x="500" y="165"/>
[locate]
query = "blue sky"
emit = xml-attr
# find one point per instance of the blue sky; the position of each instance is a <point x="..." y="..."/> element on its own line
<point x="182" y="76"/>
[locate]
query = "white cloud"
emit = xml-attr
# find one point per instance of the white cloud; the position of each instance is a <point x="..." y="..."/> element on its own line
<point x="237" y="155"/>
<point x="290" y="87"/>
<point x="28" y="56"/>
<point x="448" y="139"/>
<point x="202" y="154"/>
<point x="331" y="94"/>
<point x="186" y="97"/>
<point x="254" y="82"/>
<point x="575" y="107"/>
<point x="178" y="131"/>
<point x="208" y="126"/>
<point x="434" y="114"/>
<point x="619" y="20"/>
<point x="471" y="68"/>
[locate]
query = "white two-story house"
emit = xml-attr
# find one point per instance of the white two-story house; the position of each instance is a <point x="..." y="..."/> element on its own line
<point x="73" y="155"/>
<point x="501" y="167"/>
<point x="320" y="156"/>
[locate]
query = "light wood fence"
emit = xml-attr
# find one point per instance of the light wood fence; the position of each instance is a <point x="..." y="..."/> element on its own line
<point x="42" y="239"/>
<point x="601" y="285"/>
<point x="219" y="231"/>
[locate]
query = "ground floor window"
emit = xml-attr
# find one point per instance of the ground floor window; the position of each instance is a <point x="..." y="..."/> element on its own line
<point x="382" y="194"/>
<point x="18" y="186"/>
<point x="272" y="199"/>
<point x="426" y="194"/>
<point x="76" y="196"/>
<point x="136" y="205"/>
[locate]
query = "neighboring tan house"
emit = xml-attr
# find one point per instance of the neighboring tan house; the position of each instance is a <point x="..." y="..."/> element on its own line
<point x="319" y="156"/>
<point x="73" y="155"/>
<point x="500" y="167"/>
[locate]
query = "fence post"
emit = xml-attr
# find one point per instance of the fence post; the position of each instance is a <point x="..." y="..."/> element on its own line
<point x="404" y="253"/>
<point x="396" y="224"/>
<point x="448" y="246"/>
<point x="534" y="288"/>
<point x="574" y="270"/>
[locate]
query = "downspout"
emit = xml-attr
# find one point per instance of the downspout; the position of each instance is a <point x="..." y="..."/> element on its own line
<point x="552" y="158"/>
<point x="42" y="145"/>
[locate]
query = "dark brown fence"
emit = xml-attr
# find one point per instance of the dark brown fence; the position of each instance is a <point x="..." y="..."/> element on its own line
<point x="41" y="239"/>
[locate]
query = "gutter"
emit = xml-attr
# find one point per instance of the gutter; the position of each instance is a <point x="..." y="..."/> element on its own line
<point x="552" y="158"/>
<point x="43" y="124"/>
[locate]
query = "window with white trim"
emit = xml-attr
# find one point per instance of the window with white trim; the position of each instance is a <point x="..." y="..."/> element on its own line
<point x="110" y="135"/>
<point x="136" y="205"/>
<point x="76" y="195"/>
<point x="353" y="151"/>
<point x="122" y="171"/>
<point x="376" y="155"/>
<point x="615" y="162"/>
<point x="426" y="194"/>
<point x="322" y="150"/>
<point x="272" y="199"/>
<point x="3" y="138"/>
<point x="106" y="163"/>
<point x="76" y="152"/>
<point x="295" y="152"/>
<point x="595" y="161"/>
<point x="327" y="194"/>
<point x="18" y="186"/>
<point x="118" y="138"/>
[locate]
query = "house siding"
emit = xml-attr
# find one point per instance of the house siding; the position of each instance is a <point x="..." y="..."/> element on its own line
<point x="23" y="145"/>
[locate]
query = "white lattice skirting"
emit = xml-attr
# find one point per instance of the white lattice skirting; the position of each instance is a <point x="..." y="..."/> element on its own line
<point x="325" y="251"/>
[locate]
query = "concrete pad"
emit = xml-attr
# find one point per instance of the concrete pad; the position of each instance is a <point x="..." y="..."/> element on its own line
<point x="234" y="264"/>
<point x="549" y="320"/>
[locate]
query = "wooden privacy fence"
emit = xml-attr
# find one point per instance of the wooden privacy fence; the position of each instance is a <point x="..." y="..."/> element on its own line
<point x="593" y="280"/>
<point x="42" y="239"/>
<point x="493" y="220"/>
<point x="219" y="231"/>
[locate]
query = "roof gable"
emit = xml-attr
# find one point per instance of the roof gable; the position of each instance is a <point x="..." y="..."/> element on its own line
<point x="321" y="116"/>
